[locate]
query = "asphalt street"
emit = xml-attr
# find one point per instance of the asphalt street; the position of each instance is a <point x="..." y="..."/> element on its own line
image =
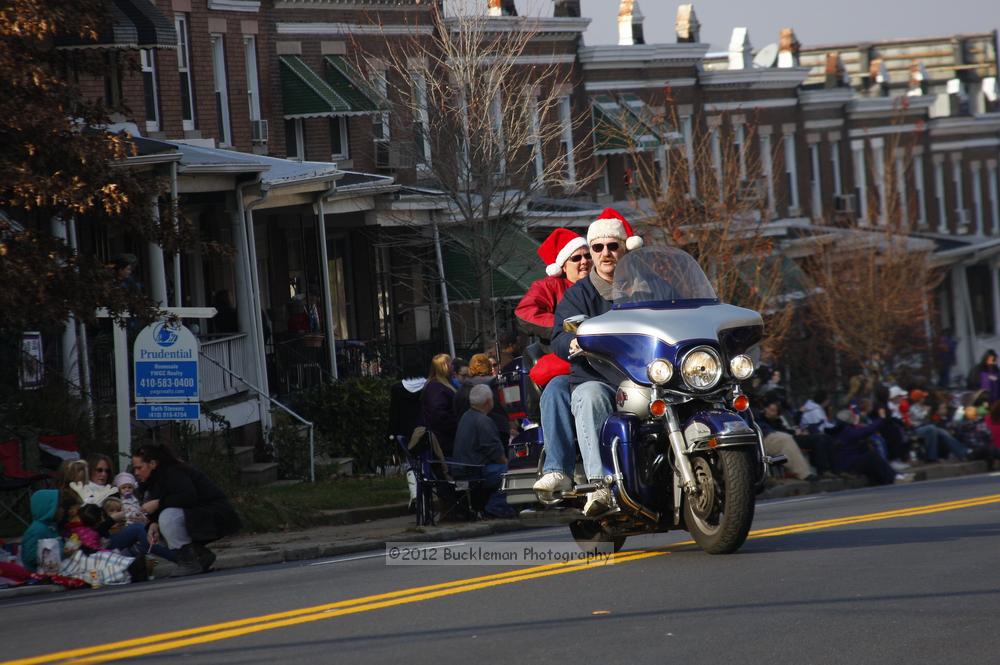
<point x="900" y="574"/>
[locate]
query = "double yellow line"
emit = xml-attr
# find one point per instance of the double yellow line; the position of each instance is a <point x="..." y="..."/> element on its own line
<point x="221" y="631"/>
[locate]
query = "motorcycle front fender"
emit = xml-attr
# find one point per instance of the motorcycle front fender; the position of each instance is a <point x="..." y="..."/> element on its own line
<point x="716" y="428"/>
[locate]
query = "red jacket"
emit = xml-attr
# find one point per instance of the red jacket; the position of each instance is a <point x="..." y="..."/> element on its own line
<point x="536" y="311"/>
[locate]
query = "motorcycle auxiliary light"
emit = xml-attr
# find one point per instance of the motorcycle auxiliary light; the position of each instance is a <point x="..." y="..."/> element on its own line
<point x="741" y="367"/>
<point x="660" y="371"/>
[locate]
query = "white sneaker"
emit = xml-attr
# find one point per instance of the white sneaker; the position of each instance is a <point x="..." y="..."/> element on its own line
<point x="598" y="502"/>
<point x="553" y="481"/>
<point x="898" y="466"/>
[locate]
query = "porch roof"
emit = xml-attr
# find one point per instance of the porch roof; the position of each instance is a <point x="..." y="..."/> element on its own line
<point x="619" y="127"/>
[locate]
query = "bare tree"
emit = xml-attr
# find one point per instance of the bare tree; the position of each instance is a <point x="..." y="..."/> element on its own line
<point x="488" y="131"/>
<point x="703" y="188"/>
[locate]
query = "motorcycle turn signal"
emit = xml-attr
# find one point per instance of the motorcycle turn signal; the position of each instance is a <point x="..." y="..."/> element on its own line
<point x="741" y="402"/>
<point x="658" y="408"/>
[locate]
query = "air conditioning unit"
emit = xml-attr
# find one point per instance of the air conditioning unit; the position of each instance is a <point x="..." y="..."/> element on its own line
<point x="258" y="131"/>
<point x="844" y="204"/>
<point x="962" y="220"/>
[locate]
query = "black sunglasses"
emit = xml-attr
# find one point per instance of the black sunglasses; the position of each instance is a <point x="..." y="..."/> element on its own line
<point x="102" y="469"/>
<point x="579" y="257"/>
<point x="598" y="247"/>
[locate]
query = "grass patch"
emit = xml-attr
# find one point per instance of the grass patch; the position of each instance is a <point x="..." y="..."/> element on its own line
<point x="299" y="506"/>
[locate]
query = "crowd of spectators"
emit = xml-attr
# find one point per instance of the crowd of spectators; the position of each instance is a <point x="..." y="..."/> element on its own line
<point x="879" y="429"/>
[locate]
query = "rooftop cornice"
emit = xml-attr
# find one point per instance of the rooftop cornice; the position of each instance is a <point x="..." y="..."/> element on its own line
<point x="987" y="122"/>
<point x="542" y="25"/>
<point x="252" y="6"/>
<point x="640" y="55"/>
<point x="826" y="98"/>
<point x="869" y="107"/>
<point x="759" y="78"/>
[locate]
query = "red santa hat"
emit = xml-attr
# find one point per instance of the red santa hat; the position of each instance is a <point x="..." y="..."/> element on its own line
<point x="610" y="224"/>
<point x="557" y="248"/>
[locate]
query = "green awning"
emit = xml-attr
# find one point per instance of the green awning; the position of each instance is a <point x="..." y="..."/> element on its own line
<point x="348" y="82"/>
<point x="305" y="94"/>
<point x="624" y="126"/>
<point x="518" y="267"/>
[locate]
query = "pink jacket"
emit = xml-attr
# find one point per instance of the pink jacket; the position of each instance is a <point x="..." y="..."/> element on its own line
<point x="994" y="430"/>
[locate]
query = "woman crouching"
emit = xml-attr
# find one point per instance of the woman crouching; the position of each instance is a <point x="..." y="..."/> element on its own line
<point x="185" y="508"/>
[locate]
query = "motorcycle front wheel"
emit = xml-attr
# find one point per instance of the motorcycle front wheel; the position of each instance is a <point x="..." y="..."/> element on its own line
<point x="719" y="517"/>
<point x="587" y="532"/>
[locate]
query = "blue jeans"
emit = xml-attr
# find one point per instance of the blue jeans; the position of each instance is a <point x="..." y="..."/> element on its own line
<point x="132" y="539"/>
<point x="557" y="427"/>
<point x="593" y="402"/>
<point x="933" y="435"/>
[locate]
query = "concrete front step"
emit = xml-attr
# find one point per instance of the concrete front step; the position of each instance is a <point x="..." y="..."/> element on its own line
<point x="260" y="473"/>
<point x="243" y="455"/>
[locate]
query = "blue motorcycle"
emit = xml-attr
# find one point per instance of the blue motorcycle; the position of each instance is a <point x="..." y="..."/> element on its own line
<point x="682" y="450"/>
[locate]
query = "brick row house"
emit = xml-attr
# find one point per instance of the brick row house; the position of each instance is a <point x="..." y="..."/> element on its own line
<point x="275" y="118"/>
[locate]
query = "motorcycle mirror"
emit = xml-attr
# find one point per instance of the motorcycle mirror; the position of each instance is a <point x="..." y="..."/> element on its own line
<point x="570" y="324"/>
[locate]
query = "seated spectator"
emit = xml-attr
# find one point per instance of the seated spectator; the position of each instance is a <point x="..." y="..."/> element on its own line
<point x="101" y="469"/>
<point x="480" y="373"/>
<point x="931" y="434"/>
<point x="185" y="508"/>
<point x="893" y="426"/>
<point x="993" y="422"/>
<point x="45" y="517"/>
<point x="814" y="418"/>
<point x="777" y="442"/>
<point x="131" y="509"/>
<point x="437" y="402"/>
<point x="819" y="445"/>
<point x="477" y="442"/>
<point x="855" y="453"/>
<point x="76" y="476"/>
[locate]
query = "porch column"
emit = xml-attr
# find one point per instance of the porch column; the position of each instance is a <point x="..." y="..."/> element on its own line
<point x="975" y="167"/>
<point x="69" y="349"/>
<point x="858" y="150"/>
<point x="904" y="208"/>
<point x="991" y="174"/>
<point x="815" y="182"/>
<point x="157" y="270"/>
<point x="939" y="193"/>
<point x="244" y="306"/>
<point x="878" y="157"/>
<point x="921" y="187"/>
<point x="327" y="296"/>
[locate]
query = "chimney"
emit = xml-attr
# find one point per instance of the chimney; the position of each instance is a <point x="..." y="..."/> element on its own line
<point x="788" y="49"/>
<point x="836" y="75"/>
<point x="740" y="50"/>
<point x="501" y="8"/>
<point x="567" y="9"/>
<point x="878" y="78"/>
<point x="991" y="94"/>
<point x="918" y="80"/>
<point x="957" y="96"/>
<point x="687" y="27"/>
<point x="630" y="20"/>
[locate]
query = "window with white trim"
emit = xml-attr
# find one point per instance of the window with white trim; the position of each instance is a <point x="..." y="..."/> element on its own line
<point x="688" y="131"/>
<point x="768" y="159"/>
<point x="221" y="90"/>
<point x="380" y="121"/>
<point x="537" y="158"/>
<point x="421" y="120"/>
<point x="918" y="182"/>
<point x="815" y="182"/>
<point x="253" y="80"/>
<point x="791" y="173"/>
<point x="566" y="146"/>
<point x="339" y="138"/>
<point x="151" y="85"/>
<point x="184" y="69"/>
<point x="295" y="139"/>
<point x="739" y="145"/>
<point x="496" y="113"/>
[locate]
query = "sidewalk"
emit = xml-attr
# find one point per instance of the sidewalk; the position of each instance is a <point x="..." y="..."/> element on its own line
<point x="374" y="527"/>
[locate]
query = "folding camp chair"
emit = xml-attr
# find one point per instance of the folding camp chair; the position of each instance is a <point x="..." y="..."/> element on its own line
<point x="16" y="482"/>
<point x="439" y="495"/>
<point x="54" y="449"/>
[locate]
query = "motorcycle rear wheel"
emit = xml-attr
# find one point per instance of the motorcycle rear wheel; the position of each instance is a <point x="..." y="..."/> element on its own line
<point x="587" y="532"/>
<point x="719" y="518"/>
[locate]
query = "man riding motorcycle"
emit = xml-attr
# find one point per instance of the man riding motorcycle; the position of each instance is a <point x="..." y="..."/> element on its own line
<point x="609" y="237"/>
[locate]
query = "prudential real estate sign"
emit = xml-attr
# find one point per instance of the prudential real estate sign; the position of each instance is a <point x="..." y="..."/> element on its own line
<point x="165" y="355"/>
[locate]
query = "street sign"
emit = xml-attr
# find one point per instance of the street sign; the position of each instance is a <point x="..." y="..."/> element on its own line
<point x="162" y="411"/>
<point x="165" y="354"/>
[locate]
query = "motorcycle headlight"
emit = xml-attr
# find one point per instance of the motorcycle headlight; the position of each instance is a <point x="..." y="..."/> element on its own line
<point x="741" y="367"/>
<point x="660" y="372"/>
<point x="701" y="368"/>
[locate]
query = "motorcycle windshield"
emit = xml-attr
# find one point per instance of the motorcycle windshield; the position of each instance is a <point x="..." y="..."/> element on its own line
<point x="657" y="277"/>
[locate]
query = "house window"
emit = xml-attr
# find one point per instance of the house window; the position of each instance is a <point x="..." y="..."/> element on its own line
<point x="221" y="90"/>
<point x="253" y="82"/>
<point x="688" y="131"/>
<point x="980" y="285"/>
<point x="603" y="181"/>
<point x="566" y="141"/>
<point x="768" y="159"/>
<point x="538" y="161"/>
<point x="112" y="81"/>
<point x="339" y="138"/>
<point x="716" y="144"/>
<point x="918" y="181"/>
<point x="791" y="173"/>
<point x="150" y="84"/>
<point x="184" y="69"/>
<point x="421" y="135"/>
<point x="939" y="193"/>
<point x="860" y="184"/>
<point x="838" y="187"/>
<point x="380" y="121"/>
<point x="295" y="139"/>
<point x="815" y="185"/>
<point x="878" y="155"/>
<point x="496" y="111"/>
<point x="739" y="140"/>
